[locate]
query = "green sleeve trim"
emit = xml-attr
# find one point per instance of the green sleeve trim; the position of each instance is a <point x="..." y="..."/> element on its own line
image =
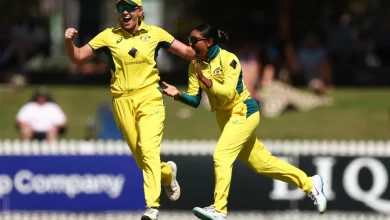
<point x="165" y="44"/>
<point x="191" y="100"/>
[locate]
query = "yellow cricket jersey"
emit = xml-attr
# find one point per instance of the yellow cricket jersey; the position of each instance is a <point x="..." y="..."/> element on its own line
<point x="228" y="90"/>
<point x="132" y="59"/>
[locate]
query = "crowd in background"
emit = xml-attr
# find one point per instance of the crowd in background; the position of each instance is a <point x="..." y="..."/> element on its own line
<point x="345" y="50"/>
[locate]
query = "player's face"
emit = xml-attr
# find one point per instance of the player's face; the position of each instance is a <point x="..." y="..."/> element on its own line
<point x="200" y="44"/>
<point x="128" y="15"/>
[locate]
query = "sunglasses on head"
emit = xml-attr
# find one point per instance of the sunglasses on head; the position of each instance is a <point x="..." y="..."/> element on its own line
<point x="194" y="40"/>
<point x="126" y="7"/>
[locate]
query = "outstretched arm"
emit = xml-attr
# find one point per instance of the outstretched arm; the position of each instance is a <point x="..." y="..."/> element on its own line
<point x="187" y="98"/>
<point x="194" y="94"/>
<point x="175" y="46"/>
<point x="170" y="90"/>
<point x="182" y="50"/>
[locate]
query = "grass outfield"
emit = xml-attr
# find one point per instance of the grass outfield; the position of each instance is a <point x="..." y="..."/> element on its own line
<point x="357" y="114"/>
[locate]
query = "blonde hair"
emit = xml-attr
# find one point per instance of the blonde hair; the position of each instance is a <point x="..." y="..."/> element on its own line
<point x="142" y="16"/>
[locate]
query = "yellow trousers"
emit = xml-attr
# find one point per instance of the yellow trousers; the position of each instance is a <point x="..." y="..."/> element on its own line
<point x="140" y="115"/>
<point x="238" y="139"/>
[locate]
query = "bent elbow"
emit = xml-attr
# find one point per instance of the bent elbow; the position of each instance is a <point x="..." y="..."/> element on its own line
<point x="77" y="61"/>
<point x="230" y="95"/>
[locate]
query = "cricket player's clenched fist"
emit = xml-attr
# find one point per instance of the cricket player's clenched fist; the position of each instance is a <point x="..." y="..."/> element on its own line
<point x="70" y="33"/>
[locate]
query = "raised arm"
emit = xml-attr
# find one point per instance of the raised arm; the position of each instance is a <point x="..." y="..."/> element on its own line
<point x="75" y="54"/>
<point x="182" y="50"/>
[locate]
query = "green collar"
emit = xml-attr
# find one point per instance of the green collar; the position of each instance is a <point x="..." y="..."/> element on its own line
<point x="213" y="52"/>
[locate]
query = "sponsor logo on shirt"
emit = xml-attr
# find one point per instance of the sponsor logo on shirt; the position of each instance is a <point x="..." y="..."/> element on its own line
<point x="135" y="62"/>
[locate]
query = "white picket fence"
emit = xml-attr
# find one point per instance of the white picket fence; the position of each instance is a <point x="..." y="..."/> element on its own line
<point x="197" y="147"/>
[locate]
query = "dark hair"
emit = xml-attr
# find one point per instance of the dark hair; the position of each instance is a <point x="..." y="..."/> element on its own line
<point x="42" y="91"/>
<point x="208" y="31"/>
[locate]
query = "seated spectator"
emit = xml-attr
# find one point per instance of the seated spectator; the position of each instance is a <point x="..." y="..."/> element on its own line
<point x="41" y="118"/>
<point x="314" y="65"/>
<point x="276" y="96"/>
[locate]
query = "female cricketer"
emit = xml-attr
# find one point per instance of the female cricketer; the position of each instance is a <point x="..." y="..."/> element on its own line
<point x="218" y="73"/>
<point x="132" y="47"/>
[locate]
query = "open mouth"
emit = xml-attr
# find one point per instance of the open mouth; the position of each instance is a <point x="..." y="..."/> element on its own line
<point x="126" y="19"/>
<point x="197" y="53"/>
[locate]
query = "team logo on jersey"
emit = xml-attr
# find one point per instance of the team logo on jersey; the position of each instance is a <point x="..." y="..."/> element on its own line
<point x="133" y="52"/>
<point x="119" y="40"/>
<point x="145" y="37"/>
<point x="218" y="71"/>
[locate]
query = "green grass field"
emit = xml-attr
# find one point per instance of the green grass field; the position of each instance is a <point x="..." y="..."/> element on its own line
<point x="361" y="114"/>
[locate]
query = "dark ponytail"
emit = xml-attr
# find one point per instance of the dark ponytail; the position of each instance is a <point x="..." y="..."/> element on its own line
<point x="223" y="37"/>
<point x="208" y="31"/>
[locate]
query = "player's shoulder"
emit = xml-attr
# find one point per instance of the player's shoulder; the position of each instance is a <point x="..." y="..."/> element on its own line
<point x="155" y="29"/>
<point x="229" y="58"/>
<point x="113" y="30"/>
<point x="227" y="54"/>
<point x="152" y="27"/>
<point x="109" y="30"/>
<point x="106" y="32"/>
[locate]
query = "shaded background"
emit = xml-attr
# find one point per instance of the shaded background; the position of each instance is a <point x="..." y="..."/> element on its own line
<point x="344" y="43"/>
